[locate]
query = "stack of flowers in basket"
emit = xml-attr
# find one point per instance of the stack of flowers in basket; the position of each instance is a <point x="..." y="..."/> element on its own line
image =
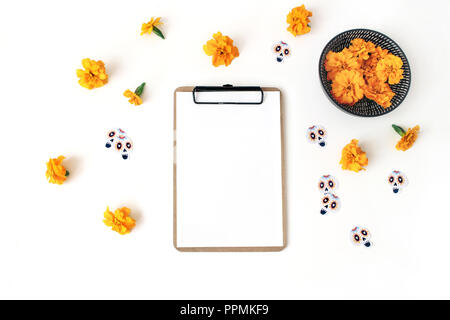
<point x="363" y="70"/>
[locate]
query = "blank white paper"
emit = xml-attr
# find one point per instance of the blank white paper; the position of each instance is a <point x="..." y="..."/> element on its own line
<point x="229" y="173"/>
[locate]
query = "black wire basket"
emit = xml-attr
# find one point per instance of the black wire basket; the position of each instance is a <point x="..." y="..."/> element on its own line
<point x="366" y="107"/>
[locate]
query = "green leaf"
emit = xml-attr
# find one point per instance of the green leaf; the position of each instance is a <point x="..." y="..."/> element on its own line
<point x="67" y="173"/>
<point x="158" y="32"/>
<point x="140" y="89"/>
<point x="399" y="130"/>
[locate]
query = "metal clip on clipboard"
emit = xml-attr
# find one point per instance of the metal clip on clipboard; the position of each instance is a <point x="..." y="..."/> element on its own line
<point x="226" y="88"/>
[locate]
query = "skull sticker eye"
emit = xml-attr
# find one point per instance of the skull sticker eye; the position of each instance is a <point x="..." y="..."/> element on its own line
<point x="321" y="185"/>
<point x="321" y="132"/>
<point x="364" y="232"/>
<point x="356" y="238"/>
<point x="118" y="145"/>
<point x="312" y="135"/>
<point x="277" y="49"/>
<point x="400" y="179"/>
<point x="128" y="145"/>
<point x="286" y="52"/>
<point x="325" y="200"/>
<point x="331" y="183"/>
<point x="111" y="134"/>
<point x="333" y="205"/>
<point x="391" y="179"/>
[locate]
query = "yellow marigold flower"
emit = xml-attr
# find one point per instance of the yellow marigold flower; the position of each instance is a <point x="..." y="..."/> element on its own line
<point x="93" y="75"/>
<point x="408" y="138"/>
<point x="353" y="157"/>
<point x="119" y="221"/>
<point x="221" y="49"/>
<point x="134" y="98"/>
<point x="298" y="20"/>
<point x="348" y="87"/>
<point x="339" y="61"/>
<point x="152" y="26"/>
<point x="390" y="68"/>
<point x="56" y="173"/>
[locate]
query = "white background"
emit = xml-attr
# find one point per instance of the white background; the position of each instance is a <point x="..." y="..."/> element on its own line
<point x="53" y="243"/>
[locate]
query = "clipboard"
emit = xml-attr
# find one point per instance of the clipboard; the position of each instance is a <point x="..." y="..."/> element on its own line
<point x="228" y="217"/>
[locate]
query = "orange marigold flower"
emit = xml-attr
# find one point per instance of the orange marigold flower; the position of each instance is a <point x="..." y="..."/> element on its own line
<point x="377" y="55"/>
<point x="339" y="61"/>
<point x="93" y="75"/>
<point x="390" y="69"/>
<point x="374" y="64"/>
<point x="298" y="20"/>
<point x="119" y="221"/>
<point x="362" y="49"/>
<point x="408" y="138"/>
<point x="378" y="91"/>
<point x="56" y="173"/>
<point x="348" y="87"/>
<point x="221" y="49"/>
<point x="353" y="157"/>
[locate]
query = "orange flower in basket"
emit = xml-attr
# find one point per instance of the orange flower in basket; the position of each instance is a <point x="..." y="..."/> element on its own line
<point x="390" y="69"/>
<point x="363" y="69"/>
<point x="348" y="87"/>
<point x="339" y="61"/>
<point x="379" y="91"/>
<point x="362" y="49"/>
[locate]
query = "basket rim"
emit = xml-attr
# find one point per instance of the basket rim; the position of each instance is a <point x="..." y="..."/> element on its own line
<point x="328" y="94"/>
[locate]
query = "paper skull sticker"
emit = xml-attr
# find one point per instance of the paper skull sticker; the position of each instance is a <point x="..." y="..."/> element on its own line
<point x="317" y="135"/>
<point x="361" y="236"/>
<point x="398" y="181"/>
<point x="118" y="140"/>
<point x="330" y="203"/>
<point x="281" y="51"/>
<point x="327" y="183"/>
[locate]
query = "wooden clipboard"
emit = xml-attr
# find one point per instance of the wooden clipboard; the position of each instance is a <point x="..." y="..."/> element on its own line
<point x="283" y="189"/>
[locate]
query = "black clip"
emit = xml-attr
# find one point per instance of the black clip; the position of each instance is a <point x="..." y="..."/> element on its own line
<point x="226" y="88"/>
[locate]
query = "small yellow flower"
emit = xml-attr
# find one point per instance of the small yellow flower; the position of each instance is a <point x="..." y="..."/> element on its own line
<point x="152" y="26"/>
<point x="56" y="173"/>
<point x="135" y="97"/>
<point x="221" y="49"/>
<point x="408" y="137"/>
<point x="119" y="221"/>
<point x="93" y="75"/>
<point x="298" y="20"/>
<point x="353" y="157"/>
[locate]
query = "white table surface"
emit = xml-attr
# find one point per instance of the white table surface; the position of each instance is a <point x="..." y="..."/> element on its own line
<point x="53" y="243"/>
